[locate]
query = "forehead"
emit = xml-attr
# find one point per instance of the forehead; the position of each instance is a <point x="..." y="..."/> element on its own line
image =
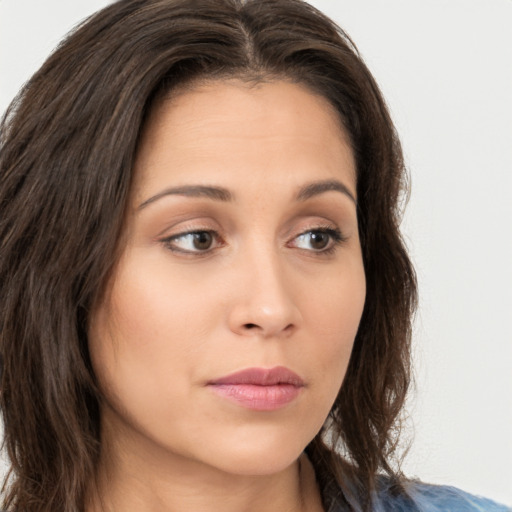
<point x="252" y="129"/>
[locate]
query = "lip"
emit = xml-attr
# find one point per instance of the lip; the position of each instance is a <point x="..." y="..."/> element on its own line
<point x="259" y="389"/>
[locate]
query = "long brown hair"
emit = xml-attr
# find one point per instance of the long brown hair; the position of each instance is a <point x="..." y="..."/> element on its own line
<point x="68" y="144"/>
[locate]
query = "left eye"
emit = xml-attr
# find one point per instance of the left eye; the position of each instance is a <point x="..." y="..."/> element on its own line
<point x="194" y="241"/>
<point x="318" y="240"/>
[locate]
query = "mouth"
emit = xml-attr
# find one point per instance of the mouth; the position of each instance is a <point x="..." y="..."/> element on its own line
<point x="259" y="389"/>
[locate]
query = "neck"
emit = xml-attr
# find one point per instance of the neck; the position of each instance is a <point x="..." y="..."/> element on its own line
<point x="170" y="483"/>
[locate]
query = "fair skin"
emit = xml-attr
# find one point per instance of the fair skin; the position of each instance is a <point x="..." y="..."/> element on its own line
<point x="241" y="251"/>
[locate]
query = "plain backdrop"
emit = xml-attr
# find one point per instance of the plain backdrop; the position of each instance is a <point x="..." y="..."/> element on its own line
<point x="445" y="67"/>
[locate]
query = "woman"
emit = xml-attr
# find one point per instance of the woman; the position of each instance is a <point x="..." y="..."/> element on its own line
<point x="208" y="301"/>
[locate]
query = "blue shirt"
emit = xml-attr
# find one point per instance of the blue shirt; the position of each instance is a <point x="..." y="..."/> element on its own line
<point x="422" y="498"/>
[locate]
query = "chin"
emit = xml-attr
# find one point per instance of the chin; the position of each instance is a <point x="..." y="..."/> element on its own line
<point x="255" y="452"/>
<point x="261" y="463"/>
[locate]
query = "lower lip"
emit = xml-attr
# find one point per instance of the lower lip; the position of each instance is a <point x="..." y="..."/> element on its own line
<point x="258" y="398"/>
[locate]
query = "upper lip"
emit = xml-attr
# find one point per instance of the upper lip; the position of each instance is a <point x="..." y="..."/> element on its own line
<point x="261" y="377"/>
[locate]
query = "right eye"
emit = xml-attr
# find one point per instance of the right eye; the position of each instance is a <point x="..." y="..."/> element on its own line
<point x="198" y="242"/>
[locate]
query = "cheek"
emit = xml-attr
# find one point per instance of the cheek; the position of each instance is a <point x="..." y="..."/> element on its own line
<point x="151" y="330"/>
<point x="333" y="317"/>
<point x="140" y="351"/>
<point x="335" y="305"/>
<point x="150" y="305"/>
<point x="128" y="337"/>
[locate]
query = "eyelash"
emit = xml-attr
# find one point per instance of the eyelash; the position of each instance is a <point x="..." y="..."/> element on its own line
<point x="336" y="239"/>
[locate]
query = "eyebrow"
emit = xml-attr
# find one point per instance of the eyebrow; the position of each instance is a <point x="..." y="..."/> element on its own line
<point x="215" y="193"/>
<point x="320" y="187"/>
<point x="222" y="194"/>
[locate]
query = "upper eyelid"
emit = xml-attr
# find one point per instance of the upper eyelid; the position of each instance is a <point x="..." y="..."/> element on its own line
<point x="186" y="226"/>
<point x="324" y="226"/>
<point x="336" y="234"/>
<point x="190" y="232"/>
<point x="317" y="225"/>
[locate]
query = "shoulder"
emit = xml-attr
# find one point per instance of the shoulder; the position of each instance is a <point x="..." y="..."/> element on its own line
<point x="419" y="497"/>
<point x="438" y="498"/>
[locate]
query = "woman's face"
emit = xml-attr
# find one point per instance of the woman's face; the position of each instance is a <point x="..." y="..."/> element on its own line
<point x="228" y="325"/>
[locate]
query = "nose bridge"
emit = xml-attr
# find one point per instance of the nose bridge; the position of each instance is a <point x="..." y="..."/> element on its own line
<point x="265" y="303"/>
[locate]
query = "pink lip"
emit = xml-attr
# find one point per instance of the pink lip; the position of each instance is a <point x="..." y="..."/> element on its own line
<point x="260" y="389"/>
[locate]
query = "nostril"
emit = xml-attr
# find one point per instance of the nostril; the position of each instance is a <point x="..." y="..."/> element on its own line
<point x="250" y="326"/>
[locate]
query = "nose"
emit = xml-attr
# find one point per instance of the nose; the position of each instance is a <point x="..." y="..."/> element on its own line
<point x="265" y="302"/>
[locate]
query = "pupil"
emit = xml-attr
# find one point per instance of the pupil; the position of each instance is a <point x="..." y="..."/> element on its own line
<point x="319" y="240"/>
<point x="202" y="240"/>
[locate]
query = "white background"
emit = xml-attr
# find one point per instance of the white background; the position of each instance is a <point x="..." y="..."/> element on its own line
<point x="445" y="67"/>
